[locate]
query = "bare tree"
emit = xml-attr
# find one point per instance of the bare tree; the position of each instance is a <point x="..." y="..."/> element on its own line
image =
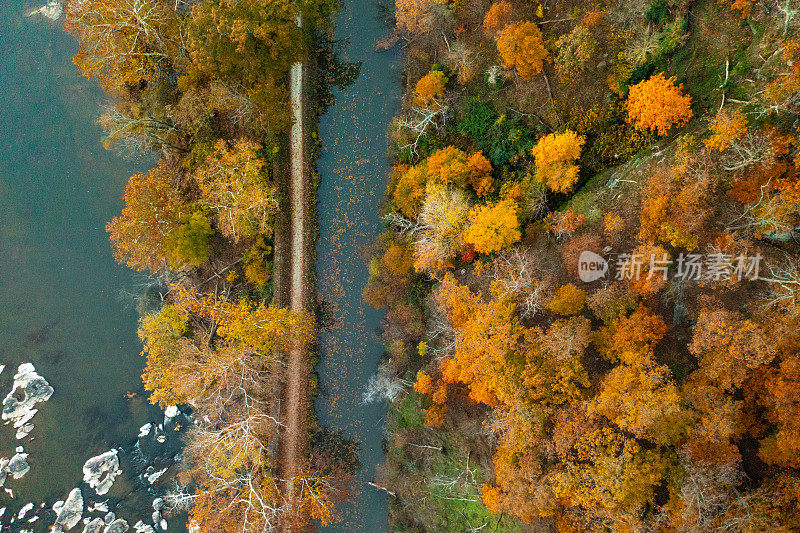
<point x="384" y="385"/>
<point x="515" y="274"/>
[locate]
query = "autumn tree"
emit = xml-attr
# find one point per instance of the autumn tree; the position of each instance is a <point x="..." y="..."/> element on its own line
<point x="493" y="227"/>
<point x="448" y="166"/>
<point x="567" y="300"/>
<point x="248" y="45"/>
<point x="498" y="17"/>
<point x="125" y="42"/>
<point x="417" y="16"/>
<point x="480" y="174"/>
<point x="189" y="243"/>
<point x="442" y="220"/>
<point x="631" y="338"/>
<point x="430" y="87"/>
<point x="656" y="104"/>
<point x="555" y="157"/>
<point x="728" y="347"/>
<point x="726" y="127"/>
<point x="574" y="51"/>
<point x="643" y="399"/>
<point x="153" y="210"/>
<point x="611" y="476"/>
<point x="409" y="189"/>
<point x="236" y="187"/>
<point x="521" y="47"/>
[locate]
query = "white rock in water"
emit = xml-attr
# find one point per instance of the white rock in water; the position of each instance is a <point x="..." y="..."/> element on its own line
<point x="34" y="389"/>
<point x="156" y="516"/>
<point x="95" y="526"/>
<point x="158" y="504"/>
<point x="101" y="471"/>
<point x="18" y="465"/>
<point x="69" y="513"/>
<point x="109" y="517"/>
<point x="141" y="527"/>
<point x="163" y="525"/>
<point x="9" y="492"/>
<point x="52" y="10"/>
<point x="171" y="412"/>
<point x="101" y="507"/>
<point x="2" y="511"/>
<point x="117" y="526"/>
<point x="33" y="519"/>
<point x="152" y="478"/>
<point x="145" y="430"/>
<point x="25" y="508"/>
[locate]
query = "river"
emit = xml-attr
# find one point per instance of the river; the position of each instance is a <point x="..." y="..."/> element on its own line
<point x="65" y="305"/>
<point x="354" y="166"/>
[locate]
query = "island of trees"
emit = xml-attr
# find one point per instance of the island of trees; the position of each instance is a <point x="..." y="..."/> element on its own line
<point x="203" y="85"/>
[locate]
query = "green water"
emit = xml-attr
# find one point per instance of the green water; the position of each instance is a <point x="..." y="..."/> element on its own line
<point x="65" y="305"/>
<point x="354" y="167"/>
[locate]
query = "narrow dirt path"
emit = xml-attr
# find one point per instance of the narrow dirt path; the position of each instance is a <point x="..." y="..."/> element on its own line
<point x="295" y="392"/>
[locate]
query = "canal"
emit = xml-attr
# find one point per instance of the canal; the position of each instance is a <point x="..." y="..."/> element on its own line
<point x="354" y="166"/>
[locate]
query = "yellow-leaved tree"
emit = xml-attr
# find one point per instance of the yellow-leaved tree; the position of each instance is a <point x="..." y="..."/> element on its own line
<point x="493" y="227"/>
<point x="555" y="156"/>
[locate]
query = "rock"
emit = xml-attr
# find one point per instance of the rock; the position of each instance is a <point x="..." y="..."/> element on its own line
<point x="25" y="508"/>
<point x="117" y="526"/>
<point x="18" y="465"/>
<point x="29" y="389"/>
<point x="70" y="512"/>
<point x="171" y="412"/>
<point x="158" y="504"/>
<point x="109" y="517"/>
<point x="141" y="527"/>
<point x="152" y="478"/>
<point x="52" y="10"/>
<point x="9" y="492"/>
<point x="101" y="471"/>
<point x="95" y="526"/>
<point x="163" y="524"/>
<point x="101" y="507"/>
<point x="156" y="517"/>
<point x="145" y="430"/>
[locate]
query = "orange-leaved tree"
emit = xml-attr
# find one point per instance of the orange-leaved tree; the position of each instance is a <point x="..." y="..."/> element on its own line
<point x="447" y="166"/>
<point x="498" y="17"/>
<point x="480" y="174"/>
<point x="657" y="104"/>
<point x="430" y="87"/>
<point x="153" y="211"/>
<point x="555" y="156"/>
<point x="521" y="47"/>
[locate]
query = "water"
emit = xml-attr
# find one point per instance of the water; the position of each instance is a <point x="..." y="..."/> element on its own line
<point x="354" y="167"/>
<point x="65" y="305"/>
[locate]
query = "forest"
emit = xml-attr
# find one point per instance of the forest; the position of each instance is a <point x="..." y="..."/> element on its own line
<point x="590" y="267"/>
<point x="201" y="89"/>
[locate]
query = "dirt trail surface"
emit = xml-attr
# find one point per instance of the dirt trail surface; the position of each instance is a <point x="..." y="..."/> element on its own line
<point x="295" y="393"/>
